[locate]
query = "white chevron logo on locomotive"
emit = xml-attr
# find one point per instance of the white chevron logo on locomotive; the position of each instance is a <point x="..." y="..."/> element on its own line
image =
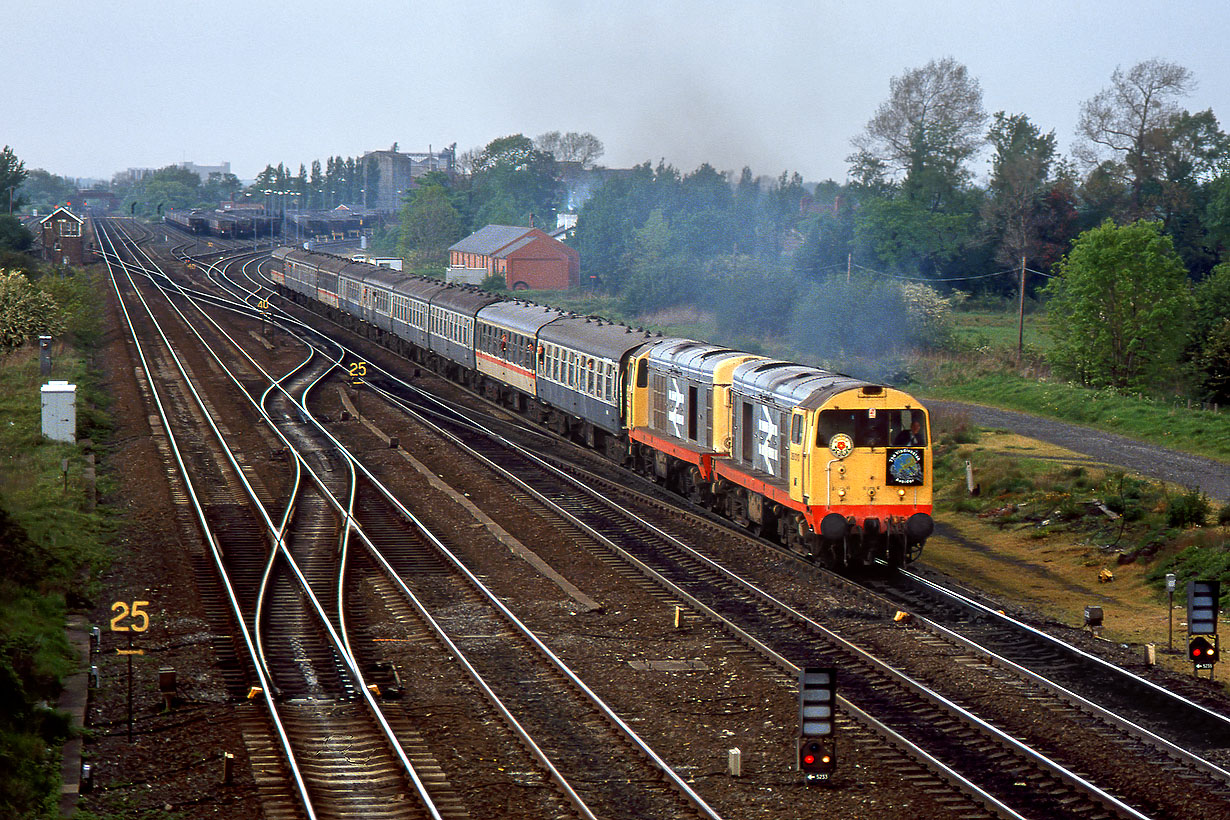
<point x="674" y="415"/>
<point x="767" y="450"/>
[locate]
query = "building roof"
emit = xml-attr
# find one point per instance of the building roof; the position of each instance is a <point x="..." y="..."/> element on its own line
<point x="488" y="240"/>
<point x="62" y="210"/>
<point x="516" y="246"/>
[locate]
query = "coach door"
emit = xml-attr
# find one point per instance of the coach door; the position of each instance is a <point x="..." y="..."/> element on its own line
<point x="800" y="464"/>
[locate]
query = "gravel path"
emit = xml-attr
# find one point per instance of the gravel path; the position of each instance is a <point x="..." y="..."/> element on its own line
<point x="1213" y="477"/>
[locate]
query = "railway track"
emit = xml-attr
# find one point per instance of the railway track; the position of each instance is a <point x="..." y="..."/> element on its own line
<point x="1205" y="794"/>
<point x="340" y="777"/>
<point x="1062" y="787"/>
<point x="314" y="712"/>
<point x="917" y="717"/>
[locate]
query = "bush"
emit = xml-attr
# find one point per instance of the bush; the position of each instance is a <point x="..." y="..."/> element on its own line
<point x="1191" y="509"/>
<point x="1223" y="516"/>
<point x="1197" y="561"/>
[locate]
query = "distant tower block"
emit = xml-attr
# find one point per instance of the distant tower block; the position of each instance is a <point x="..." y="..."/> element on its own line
<point x="60" y="411"/>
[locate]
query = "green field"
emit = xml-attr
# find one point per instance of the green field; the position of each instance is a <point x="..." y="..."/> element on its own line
<point x="1000" y="330"/>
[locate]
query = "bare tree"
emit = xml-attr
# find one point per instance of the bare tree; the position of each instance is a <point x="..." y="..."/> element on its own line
<point x="931" y="122"/>
<point x="1124" y="116"/>
<point x="467" y="161"/>
<point x="549" y="143"/>
<point x="572" y="146"/>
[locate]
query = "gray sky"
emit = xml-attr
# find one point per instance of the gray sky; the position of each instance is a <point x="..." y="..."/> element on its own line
<point x="771" y="85"/>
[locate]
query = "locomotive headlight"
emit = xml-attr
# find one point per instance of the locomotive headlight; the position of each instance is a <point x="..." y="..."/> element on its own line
<point x="841" y="493"/>
<point x="901" y="492"/>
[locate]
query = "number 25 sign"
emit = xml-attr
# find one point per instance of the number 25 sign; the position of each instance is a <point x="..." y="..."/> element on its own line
<point x="124" y="611"/>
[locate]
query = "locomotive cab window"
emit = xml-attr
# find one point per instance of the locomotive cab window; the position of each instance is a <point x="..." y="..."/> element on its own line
<point x="909" y="428"/>
<point x="864" y="431"/>
<point x="886" y="427"/>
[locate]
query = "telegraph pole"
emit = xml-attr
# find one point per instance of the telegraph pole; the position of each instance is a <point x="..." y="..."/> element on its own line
<point x="1020" y="339"/>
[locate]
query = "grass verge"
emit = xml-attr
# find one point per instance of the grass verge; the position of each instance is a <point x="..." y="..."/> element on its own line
<point x="1200" y="432"/>
<point x="1055" y="532"/>
<point x="53" y="542"/>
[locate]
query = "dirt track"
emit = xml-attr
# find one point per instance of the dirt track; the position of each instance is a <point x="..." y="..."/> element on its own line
<point x="1213" y="477"/>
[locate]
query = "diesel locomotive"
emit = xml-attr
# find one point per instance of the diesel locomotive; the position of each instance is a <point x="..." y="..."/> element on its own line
<point x="835" y="468"/>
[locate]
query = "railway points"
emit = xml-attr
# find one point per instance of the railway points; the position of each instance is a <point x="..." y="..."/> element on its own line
<point x="853" y="618"/>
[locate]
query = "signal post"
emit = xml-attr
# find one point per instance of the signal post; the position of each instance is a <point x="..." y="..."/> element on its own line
<point x="817" y="744"/>
<point x="1202" y="605"/>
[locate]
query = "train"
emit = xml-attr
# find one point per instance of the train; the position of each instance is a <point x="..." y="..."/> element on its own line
<point x="834" y="468"/>
<point x="234" y="225"/>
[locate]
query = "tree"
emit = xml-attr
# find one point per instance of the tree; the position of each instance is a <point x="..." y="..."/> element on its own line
<point x="1213" y="362"/>
<point x="907" y="236"/>
<point x="657" y="277"/>
<point x="1188" y="154"/>
<point x="1123" y="118"/>
<point x="924" y="133"/>
<point x="1015" y="205"/>
<point x="734" y="282"/>
<point x="44" y="191"/>
<point x="316" y="187"/>
<point x="429" y="224"/>
<point x="514" y="182"/>
<point x="24" y="311"/>
<point x="511" y="152"/>
<point x="12" y="174"/>
<point x="584" y="148"/>
<point x="13" y="234"/>
<point x="1119" y="308"/>
<point x="219" y="187"/>
<point x="1210" y="333"/>
<point x="850" y="321"/>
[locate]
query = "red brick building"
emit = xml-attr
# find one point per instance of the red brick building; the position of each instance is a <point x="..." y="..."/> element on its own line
<point x="62" y="235"/>
<point x="528" y="259"/>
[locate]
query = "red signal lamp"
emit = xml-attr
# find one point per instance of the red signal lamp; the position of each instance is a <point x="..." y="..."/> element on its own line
<point x="1202" y="649"/>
